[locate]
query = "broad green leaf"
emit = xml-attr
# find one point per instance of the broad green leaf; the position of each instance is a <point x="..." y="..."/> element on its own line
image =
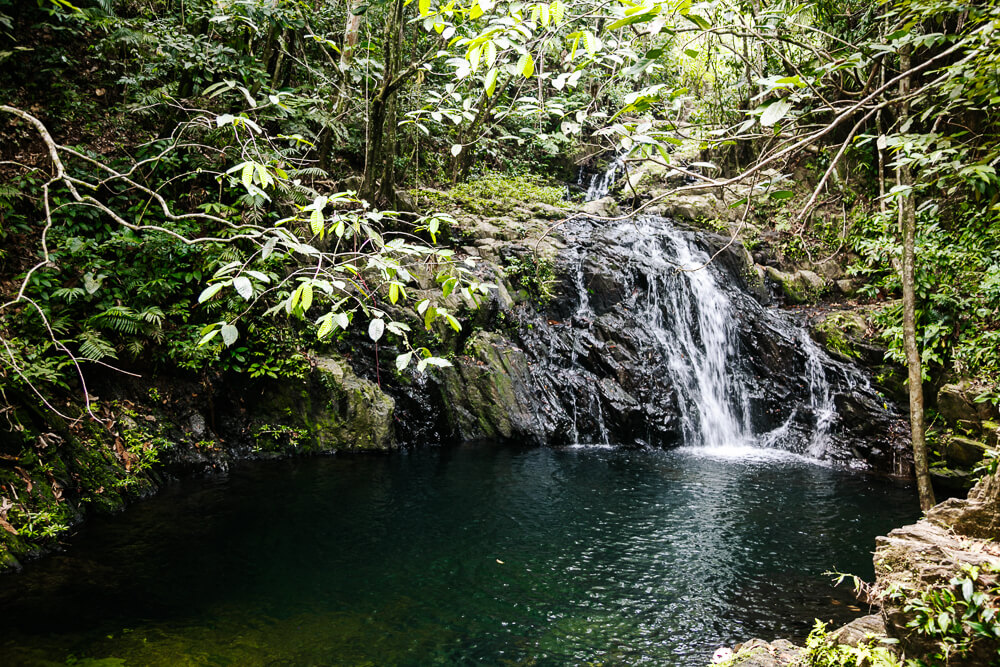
<point x="424" y="7"/>
<point x="393" y="292"/>
<point x="491" y="82"/>
<point x="526" y="65"/>
<point x="375" y="329"/>
<point x="316" y="221"/>
<point x="247" y="175"/>
<point x="558" y="11"/>
<point x="403" y="360"/>
<point x="209" y="292"/>
<point x="307" y="296"/>
<point x="782" y="194"/>
<point x="229" y="334"/>
<point x="456" y="149"/>
<point x="774" y="112"/>
<point x="243" y="287"/>
<point x="207" y="337"/>
<point x="342" y="320"/>
<point x="325" y="326"/>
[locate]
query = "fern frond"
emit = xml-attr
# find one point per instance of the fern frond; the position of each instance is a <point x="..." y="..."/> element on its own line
<point x="93" y="346"/>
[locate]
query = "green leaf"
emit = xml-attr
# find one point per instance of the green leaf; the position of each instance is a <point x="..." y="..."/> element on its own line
<point x="247" y="176"/>
<point x="526" y="65"/>
<point x="209" y="292"/>
<point x="243" y="287"/>
<point x="491" y="81"/>
<point x="558" y="11"/>
<point x="207" y="337"/>
<point x="456" y="149"/>
<point x="307" y="297"/>
<point x="316" y="221"/>
<point x="782" y="194"/>
<point x="325" y="325"/>
<point x="424" y="6"/>
<point x="375" y="329"/>
<point x="403" y="360"/>
<point x="699" y="21"/>
<point x="342" y="320"/>
<point x="229" y="334"/>
<point x="774" y="112"/>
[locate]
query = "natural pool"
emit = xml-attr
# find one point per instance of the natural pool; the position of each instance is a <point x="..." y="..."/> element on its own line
<point x="480" y="554"/>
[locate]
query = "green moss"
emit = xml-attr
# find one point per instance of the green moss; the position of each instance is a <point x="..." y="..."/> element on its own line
<point x="492" y="194"/>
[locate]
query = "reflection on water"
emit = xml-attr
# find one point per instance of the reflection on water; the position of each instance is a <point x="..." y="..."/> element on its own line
<point x="477" y="554"/>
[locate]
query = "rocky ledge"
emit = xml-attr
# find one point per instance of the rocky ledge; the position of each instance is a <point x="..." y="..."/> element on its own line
<point x="939" y="565"/>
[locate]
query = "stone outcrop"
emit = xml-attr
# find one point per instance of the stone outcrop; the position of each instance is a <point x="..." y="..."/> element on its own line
<point x="955" y="535"/>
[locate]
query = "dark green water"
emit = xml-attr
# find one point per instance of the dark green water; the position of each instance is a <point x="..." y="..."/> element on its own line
<point x="472" y="555"/>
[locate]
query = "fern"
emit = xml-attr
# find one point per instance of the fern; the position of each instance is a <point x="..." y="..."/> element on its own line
<point x="93" y="346"/>
<point x="68" y="294"/>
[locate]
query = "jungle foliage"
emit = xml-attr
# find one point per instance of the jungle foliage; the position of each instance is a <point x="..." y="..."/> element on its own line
<point x="179" y="173"/>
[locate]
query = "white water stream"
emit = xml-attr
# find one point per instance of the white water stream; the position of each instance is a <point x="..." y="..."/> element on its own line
<point x="691" y="319"/>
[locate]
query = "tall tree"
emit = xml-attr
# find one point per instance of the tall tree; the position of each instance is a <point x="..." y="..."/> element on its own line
<point x="914" y="364"/>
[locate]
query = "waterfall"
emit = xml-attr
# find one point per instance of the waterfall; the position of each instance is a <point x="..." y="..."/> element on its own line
<point x="600" y="183"/>
<point x="661" y="342"/>
<point x="684" y="319"/>
<point x="820" y="396"/>
<point x="691" y="321"/>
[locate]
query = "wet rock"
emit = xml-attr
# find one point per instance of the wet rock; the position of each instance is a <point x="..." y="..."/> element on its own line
<point x="605" y="207"/>
<point x="758" y="653"/>
<point x="791" y="285"/>
<point x="844" y="334"/>
<point x="197" y="424"/>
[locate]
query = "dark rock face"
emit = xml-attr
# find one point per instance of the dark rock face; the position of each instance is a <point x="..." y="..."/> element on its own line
<point x="629" y="354"/>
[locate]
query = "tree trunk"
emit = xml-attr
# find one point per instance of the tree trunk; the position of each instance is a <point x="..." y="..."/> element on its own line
<point x="351" y="31"/>
<point x="377" y="154"/>
<point x="908" y="228"/>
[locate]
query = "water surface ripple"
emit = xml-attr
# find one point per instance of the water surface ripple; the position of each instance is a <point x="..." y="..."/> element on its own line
<point x="471" y="555"/>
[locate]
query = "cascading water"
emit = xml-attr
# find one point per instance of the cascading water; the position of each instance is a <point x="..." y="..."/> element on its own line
<point x="664" y="346"/>
<point x="690" y="320"/>
<point x="600" y="183"/>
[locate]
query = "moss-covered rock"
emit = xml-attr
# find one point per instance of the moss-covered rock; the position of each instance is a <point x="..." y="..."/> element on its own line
<point x="792" y="286"/>
<point x="486" y="394"/>
<point x="334" y="410"/>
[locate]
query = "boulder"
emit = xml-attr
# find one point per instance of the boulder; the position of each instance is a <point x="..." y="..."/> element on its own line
<point x="758" y="653"/>
<point x="964" y="452"/>
<point x="605" y="207"/>
<point x="333" y="410"/>
<point x="957" y="403"/>
<point x="694" y="207"/>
